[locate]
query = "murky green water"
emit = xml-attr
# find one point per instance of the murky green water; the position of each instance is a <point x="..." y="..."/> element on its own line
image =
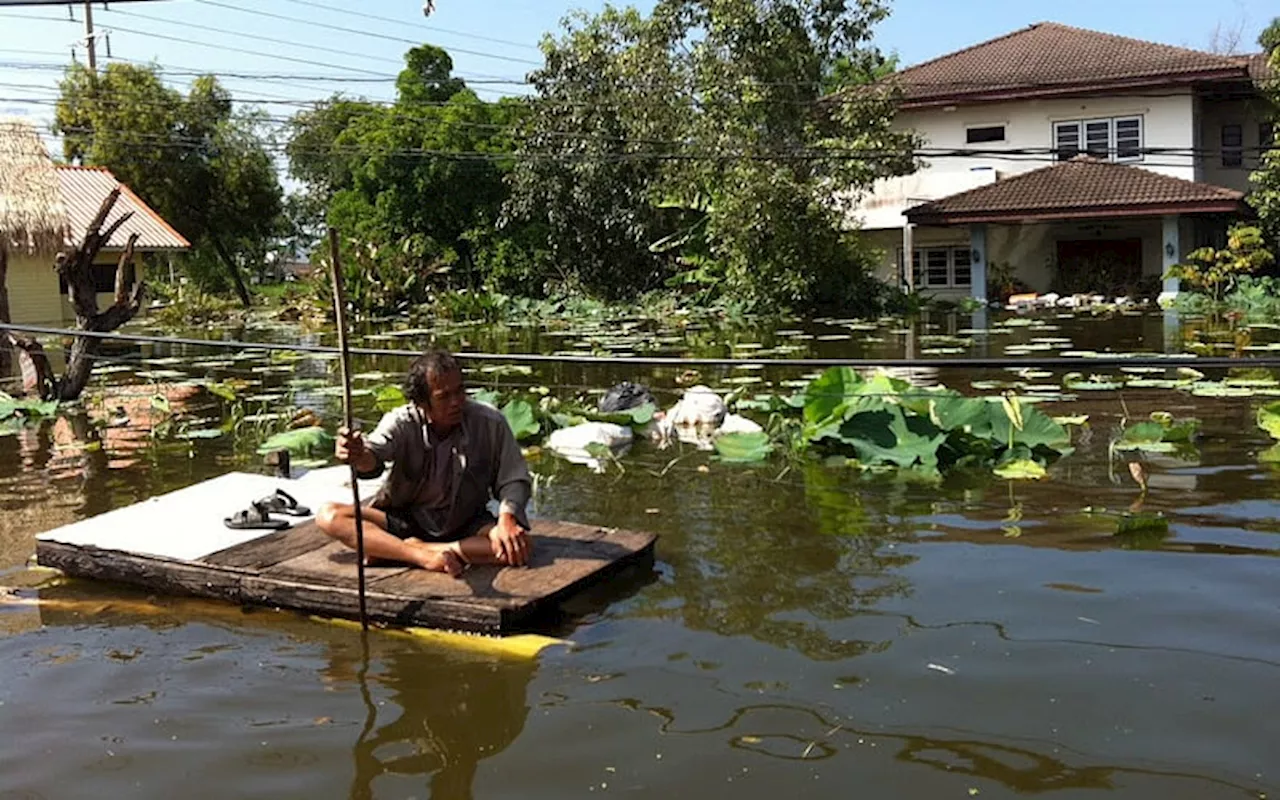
<point x="805" y="633"/>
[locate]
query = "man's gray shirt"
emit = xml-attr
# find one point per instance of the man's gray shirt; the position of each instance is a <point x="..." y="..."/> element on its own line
<point x="486" y="463"/>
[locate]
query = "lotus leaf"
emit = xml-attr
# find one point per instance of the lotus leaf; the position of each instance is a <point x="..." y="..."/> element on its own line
<point x="743" y="447"/>
<point x="1268" y="419"/>
<point x="315" y="442"/>
<point x="519" y="414"/>
<point x="1022" y="469"/>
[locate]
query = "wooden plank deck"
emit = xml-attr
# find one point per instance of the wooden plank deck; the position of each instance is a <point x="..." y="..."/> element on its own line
<point x="301" y="568"/>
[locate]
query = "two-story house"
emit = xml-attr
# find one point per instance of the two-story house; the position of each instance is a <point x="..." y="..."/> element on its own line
<point x="1065" y="156"/>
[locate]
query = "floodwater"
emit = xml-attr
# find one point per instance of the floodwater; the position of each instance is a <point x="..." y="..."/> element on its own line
<point x="805" y="631"/>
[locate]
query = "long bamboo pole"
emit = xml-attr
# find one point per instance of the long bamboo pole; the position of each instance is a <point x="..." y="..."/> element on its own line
<point x="340" y="312"/>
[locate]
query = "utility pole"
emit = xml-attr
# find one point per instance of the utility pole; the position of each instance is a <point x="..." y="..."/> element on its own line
<point x="88" y="37"/>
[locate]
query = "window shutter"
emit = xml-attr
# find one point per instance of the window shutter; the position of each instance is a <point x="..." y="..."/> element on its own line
<point x="1232" y="145"/>
<point x="1129" y="139"/>
<point x="1066" y="140"/>
<point x="1097" y="138"/>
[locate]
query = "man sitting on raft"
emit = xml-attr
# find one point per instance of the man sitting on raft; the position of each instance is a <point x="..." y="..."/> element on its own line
<point x="448" y="456"/>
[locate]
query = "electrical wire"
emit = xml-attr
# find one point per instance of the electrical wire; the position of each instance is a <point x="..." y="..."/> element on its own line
<point x="272" y="39"/>
<point x="433" y="28"/>
<point x="359" y="32"/>
<point x="1061" y="362"/>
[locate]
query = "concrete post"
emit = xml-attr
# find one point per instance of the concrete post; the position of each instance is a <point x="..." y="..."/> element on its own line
<point x="908" y="262"/>
<point x="1170" y="254"/>
<point x="978" y="262"/>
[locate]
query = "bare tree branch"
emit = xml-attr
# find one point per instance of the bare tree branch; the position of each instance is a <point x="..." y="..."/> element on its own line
<point x="108" y="203"/>
<point x="111" y="231"/>
<point x="1224" y="40"/>
<point x="122" y="267"/>
<point x="77" y="269"/>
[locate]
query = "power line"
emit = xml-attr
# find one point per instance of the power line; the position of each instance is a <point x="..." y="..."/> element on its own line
<point x="401" y="22"/>
<point x="273" y="40"/>
<point x="358" y="32"/>
<point x="225" y="47"/>
<point x="1169" y="361"/>
<point x="260" y="54"/>
<point x="1013" y="154"/>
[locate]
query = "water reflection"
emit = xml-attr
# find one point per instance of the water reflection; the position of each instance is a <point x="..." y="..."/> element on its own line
<point x="445" y="714"/>
<point x="432" y="714"/>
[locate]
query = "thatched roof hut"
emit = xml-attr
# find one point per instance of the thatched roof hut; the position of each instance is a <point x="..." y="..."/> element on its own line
<point x="33" y="218"/>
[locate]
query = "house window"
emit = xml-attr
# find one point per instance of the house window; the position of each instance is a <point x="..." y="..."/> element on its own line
<point x="984" y="133"/>
<point x="1097" y="138"/>
<point x="937" y="267"/>
<point x="961" y="275"/>
<point x="1066" y="140"/>
<point x="1233" y="145"/>
<point x="944" y="267"/>
<point x="1129" y="139"/>
<point x="1111" y="139"/>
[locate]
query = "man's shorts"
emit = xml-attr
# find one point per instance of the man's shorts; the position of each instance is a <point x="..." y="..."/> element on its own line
<point x="402" y="524"/>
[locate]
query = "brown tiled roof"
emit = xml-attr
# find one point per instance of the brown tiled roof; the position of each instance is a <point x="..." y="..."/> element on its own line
<point x="1258" y="64"/>
<point x="84" y="189"/>
<point x="1049" y="58"/>
<point x="1077" y="189"/>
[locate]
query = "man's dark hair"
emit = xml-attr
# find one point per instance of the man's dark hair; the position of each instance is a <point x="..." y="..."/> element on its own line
<point x="433" y="363"/>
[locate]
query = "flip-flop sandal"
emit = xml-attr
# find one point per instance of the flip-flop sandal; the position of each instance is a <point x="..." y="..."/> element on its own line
<point x="254" y="517"/>
<point x="283" y="503"/>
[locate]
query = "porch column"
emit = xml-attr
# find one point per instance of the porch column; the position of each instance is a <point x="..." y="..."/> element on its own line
<point x="908" y="256"/>
<point x="978" y="262"/>
<point x="1170" y="254"/>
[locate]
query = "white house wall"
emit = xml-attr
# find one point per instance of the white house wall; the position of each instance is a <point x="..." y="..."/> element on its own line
<point x="1032" y="249"/>
<point x="33" y="290"/>
<point x="1214" y="114"/>
<point x="1167" y="121"/>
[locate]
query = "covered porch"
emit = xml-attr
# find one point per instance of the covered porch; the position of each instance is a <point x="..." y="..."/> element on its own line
<point x="1079" y="227"/>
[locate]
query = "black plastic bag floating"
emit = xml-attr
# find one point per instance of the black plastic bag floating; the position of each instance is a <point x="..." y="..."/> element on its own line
<point x="624" y="396"/>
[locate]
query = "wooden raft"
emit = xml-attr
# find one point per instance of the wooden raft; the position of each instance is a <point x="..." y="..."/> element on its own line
<point x="302" y="569"/>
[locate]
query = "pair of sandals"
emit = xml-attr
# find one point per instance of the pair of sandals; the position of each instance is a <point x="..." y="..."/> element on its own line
<point x="258" y="515"/>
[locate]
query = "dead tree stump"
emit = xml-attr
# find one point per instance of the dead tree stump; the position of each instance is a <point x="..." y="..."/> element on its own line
<point x="76" y="268"/>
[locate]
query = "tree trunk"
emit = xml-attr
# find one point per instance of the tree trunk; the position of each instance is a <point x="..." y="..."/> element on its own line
<point x="77" y="270"/>
<point x="6" y="357"/>
<point x="79" y="368"/>
<point x="233" y="269"/>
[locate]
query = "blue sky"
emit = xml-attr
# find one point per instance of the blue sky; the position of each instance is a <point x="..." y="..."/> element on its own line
<point x="502" y="35"/>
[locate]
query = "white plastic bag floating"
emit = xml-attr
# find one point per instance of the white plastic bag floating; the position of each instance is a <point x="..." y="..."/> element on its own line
<point x="700" y="407"/>
<point x="572" y="443"/>
<point x="735" y="423"/>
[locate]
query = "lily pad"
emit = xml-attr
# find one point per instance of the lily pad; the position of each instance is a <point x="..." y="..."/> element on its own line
<point x="1078" y="419"/>
<point x="1022" y="469"/>
<point x="387" y="398"/>
<point x="203" y="433"/>
<point x="505" y="370"/>
<point x="1211" y="389"/>
<point x="743" y="447"/>
<point x="1268" y="419"/>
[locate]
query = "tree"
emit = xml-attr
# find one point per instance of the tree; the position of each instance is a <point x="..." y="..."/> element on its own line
<point x="204" y="167"/>
<point x="413" y="181"/>
<point x="1216" y="272"/>
<point x="591" y="151"/>
<point x="1264" y="193"/>
<point x="1269" y="39"/>
<point x="75" y="268"/>
<point x="713" y="111"/>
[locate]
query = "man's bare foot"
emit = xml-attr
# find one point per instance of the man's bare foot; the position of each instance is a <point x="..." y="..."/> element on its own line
<point x="438" y="559"/>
